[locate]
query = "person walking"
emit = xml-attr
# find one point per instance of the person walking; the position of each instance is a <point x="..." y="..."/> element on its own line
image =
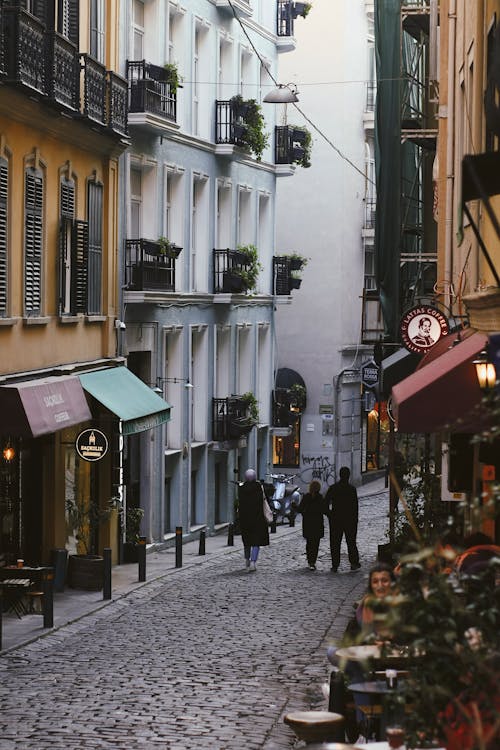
<point x="312" y="506"/>
<point x="253" y="525"/>
<point x="342" y="503"/>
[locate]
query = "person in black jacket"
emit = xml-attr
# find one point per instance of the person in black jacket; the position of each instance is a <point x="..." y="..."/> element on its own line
<point x="342" y="503"/>
<point x="253" y="525"/>
<point x="312" y="506"/>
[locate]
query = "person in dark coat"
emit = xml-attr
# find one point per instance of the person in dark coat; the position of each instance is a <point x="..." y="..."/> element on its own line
<point x="342" y="502"/>
<point x="253" y="525"/>
<point x="313" y="507"/>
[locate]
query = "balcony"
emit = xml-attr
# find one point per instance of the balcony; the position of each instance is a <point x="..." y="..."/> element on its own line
<point x="285" y="274"/>
<point x="47" y="64"/>
<point x="152" y="96"/>
<point x="284" y="26"/>
<point x="230" y="127"/>
<point x="288" y="405"/>
<point x="149" y="267"/>
<point x="292" y="146"/>
<point x="231" y="419"/>
<point x="229" y="272"/>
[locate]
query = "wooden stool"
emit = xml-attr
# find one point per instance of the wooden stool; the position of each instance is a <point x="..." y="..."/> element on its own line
<point x="35" y="597"/>
<point x="315" y="726"/>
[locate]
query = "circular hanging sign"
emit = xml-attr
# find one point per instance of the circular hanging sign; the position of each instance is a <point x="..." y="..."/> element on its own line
<point x="422" y="327"/>
<point x="91" y="445"/>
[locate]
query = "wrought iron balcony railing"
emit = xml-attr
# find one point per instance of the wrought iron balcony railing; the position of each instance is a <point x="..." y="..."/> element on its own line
<point x="288" y="144"/>
<point x="151" y="89"/>
<point x="284" y="25"/>
<point x="229" y="125"/>
<point x="228" y="265"/>
<point x="147" y="268"/>
<point x="230" y="418"/>
<point x="47" y="63"/>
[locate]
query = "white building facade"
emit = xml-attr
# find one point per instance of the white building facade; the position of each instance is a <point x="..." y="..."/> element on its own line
<point x="194" y="192"/>
<point x="326" y="213"/>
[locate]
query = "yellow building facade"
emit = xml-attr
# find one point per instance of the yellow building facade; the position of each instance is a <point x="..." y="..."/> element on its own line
<point x="63" y="126"/>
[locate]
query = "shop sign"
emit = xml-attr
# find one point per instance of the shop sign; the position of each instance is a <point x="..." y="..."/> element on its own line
<point x="369" y="374"/>
<point x="91" y="445"/>
<point x="422" y="327"/>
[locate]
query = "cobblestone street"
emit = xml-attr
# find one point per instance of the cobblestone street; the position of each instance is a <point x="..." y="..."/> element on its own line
<point x="204" y="657"/>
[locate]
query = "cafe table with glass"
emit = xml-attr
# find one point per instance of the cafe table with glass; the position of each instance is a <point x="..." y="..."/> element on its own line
<point x="19" y="584"/>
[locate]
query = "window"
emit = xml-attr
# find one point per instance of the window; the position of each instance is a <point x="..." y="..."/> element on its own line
<point x="97" y="30"/>
<point x="138" y="30"/>
<point x="94" y="213"/>
<point x="68" y="12"/>
<point x="73" y="254"/>
<point x="286" y="450"/>
<point x="135" y="203"/>
<point x="196" y="82"/>
<point x="4" y="235"/>
<point x="33" y="241"/>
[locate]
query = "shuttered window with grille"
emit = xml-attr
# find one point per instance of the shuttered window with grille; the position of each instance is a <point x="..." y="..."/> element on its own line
<point x="33" y="241"/>
<point x="95" y="207"/>
<point x="4" y="206"/>
<point x="73" y="255"/>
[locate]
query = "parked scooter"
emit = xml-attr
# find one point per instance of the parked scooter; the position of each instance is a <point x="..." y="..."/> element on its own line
<point x="283" y="496"/>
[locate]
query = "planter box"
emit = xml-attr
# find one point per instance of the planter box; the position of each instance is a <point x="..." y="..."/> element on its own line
<point x="232" y="282"/>
<point x="295" y="283"/>
<point x="86" y="572"/>
<point x="296" y="264"/>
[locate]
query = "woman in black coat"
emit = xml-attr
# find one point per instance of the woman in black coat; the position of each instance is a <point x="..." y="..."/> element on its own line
<point x="312" y="506"/>
<point x="253" y="525"/>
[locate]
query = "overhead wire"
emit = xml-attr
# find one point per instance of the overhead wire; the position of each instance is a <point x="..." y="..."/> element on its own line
<point x="307" y="119"/>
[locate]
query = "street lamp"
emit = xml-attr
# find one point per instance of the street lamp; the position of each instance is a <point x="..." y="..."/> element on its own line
<point x="285" y="93"/>
<point x="485" y="371"/>
<point x="159" y="382"/>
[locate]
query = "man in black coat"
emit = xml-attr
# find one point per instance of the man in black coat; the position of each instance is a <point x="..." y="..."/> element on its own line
<point x="342" y="503"/>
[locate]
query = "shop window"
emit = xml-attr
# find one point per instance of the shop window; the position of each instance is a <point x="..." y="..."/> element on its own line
<point x="286" y="450"/>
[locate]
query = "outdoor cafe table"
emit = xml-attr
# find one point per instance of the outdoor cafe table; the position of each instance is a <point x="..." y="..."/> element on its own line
<point x="16" y="582"/>
<point x="372" y="707"/>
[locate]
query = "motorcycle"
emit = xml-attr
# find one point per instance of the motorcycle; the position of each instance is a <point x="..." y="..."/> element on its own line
<point x="283" y="497"/>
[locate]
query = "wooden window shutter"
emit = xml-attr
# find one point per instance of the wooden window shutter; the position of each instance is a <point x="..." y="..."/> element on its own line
<point x="4" y="216"/>
<point x="79" y="266"/>
<point x="68" y="23"/>
<point x="95" y="230"/>
<point x="33" y="241"/>
<point x="67" y="198"/>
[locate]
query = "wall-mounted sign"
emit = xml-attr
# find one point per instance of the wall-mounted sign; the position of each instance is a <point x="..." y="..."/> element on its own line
<point x="422" y="327"/>
<point x="369" y="374"/>
<point x="91" y="445"/>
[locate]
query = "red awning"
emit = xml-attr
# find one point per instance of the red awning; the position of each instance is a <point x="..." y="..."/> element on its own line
<point x="443" y="393"/>
<point x="38" y="407"/>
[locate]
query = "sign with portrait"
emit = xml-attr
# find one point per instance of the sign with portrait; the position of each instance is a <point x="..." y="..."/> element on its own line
<point x="422" y="327"/>
<point x="91" y="445"/>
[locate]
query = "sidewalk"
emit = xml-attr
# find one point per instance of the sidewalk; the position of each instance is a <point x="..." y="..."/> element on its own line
<point x="73" y="604"/>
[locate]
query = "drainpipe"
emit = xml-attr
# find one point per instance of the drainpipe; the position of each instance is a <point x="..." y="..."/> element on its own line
<point x="450" y="131"/>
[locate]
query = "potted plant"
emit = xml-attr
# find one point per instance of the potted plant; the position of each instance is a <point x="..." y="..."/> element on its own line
<point x="301" y="154"/>
<point x="86" y="567"/>
<point x="294" y="281"/>
<point x="133" y="520"/>
<point x="173" y="77"/>
<point x="301" y="9"/>
<point x="242" y="423"/>
<point x="168" y="249"/>
<point x="297" y="261"/>
<point x="244" y="276"/>
<point x="252" y="137"/>
<point x="297" y="396"/>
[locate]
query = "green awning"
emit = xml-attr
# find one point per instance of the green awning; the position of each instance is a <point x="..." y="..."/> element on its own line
<point x="128" y="397"/>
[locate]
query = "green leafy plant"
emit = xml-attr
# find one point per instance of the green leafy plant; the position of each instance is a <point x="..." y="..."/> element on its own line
<point x="252" y="405"/>
<point x="173" y="77"/>
<point x="306" y="144"/>
<point x="133" y="520"/>
<point x="298" y="395"/>
<point x="167" y="248"/>
<point x="254" y="137"/>
<point x="251" y="267"/>
<point x="83" y="519"/>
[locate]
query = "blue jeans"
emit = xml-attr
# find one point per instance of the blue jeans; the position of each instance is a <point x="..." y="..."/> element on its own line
<point x="251" y="553"/>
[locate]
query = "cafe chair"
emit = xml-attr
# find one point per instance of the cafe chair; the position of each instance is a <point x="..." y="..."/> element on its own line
<point x="35" y="602"/>
<point x="315" y="726"/>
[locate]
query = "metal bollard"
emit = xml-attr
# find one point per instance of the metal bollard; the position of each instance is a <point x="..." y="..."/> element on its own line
<point x="106" y="589"/>
<point x="1" y="610"/>
<point x="178" y="546"/>
<point x="201" y="550"/>
<point x="48" y="597"/>
<point x="230" y="535"/>
<point x="141" y="558"/>
<point x="272" y="527"/>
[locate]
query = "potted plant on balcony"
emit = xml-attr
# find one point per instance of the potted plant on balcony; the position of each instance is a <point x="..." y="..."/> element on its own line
<point x="85" y="568"/>
<point x="297" y="396"/>
<point x="301" y="9"/>
<point x="301" y="154"/>
<point x="133" y="520"/>
<point x="295" y="281"/>
<point x="297" y="261"/>
<point x="244" y="277"/>
<point x="253" y="136"/>
<point x="173" y="77"/>
<point x="167" y="248"/>
<point x="242" y="424"/>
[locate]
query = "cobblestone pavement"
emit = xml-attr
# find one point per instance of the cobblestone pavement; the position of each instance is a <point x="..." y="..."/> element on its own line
<point x="206" y="658"/>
